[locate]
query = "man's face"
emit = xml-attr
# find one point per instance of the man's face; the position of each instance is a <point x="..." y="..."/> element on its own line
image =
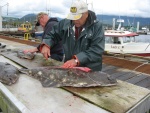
<point x="80" y="22"/>
<point x="41" y="21"/>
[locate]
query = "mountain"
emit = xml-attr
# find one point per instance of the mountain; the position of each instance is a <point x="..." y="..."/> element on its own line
<point x="29" y="17"/>
<point x="128" y="21"/>
<point x="9" y="19"/>
<point x="106" y="19"/>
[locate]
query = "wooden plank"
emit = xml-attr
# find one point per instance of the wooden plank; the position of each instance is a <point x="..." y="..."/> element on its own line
<point x="119" y="72"/>
<point x="149" y="89"/>
<point x="116" y="99"/>
<point x="109" y="67"/>
<point x="27" y="42"/>
<point x="29" y="93"/>
<point x="127" y="76"/>
<point x="9" y="102"/>
<point x="127" y="64"/>
<point x="119" y="98"/>
<point x="144" y="83"/>
<point x="112" y="71"/>
<point x="104" y="65"/>
<point x="137" y="78"/>
<point x="38" y="61"/>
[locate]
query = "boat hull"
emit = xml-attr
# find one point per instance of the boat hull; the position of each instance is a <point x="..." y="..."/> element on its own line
<point x="140" y="49"/>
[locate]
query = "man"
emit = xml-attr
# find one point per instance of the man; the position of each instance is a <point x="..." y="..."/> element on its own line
<point x="47" y="24"/>
<point x="82" y="37"/>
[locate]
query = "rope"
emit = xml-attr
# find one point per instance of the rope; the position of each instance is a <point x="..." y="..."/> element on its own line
<point x="138" y="67"/>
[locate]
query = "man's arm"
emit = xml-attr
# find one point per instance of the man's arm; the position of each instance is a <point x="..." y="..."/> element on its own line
<point x="52" y="37"/>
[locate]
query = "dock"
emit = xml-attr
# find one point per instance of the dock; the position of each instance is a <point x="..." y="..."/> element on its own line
<point x="130" y="95"/>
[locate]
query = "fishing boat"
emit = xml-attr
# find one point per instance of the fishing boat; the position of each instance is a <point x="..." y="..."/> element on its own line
<point x="25" y="27"/>
<point x="123" y="42"/>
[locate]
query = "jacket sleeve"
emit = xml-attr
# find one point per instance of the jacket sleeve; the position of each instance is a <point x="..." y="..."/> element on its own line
<point x="96" y="49"/>
<point x="53" y="36"/>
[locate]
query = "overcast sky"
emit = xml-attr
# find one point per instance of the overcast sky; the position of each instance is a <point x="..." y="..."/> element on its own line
<point x="60" y="8"/>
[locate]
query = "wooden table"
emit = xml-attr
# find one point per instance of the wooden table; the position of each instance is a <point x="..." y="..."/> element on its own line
<point x="29" y="96"/>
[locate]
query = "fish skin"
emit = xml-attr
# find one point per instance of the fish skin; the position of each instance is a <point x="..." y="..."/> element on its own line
<point x="59" y="77"/>
<point x="5" y="50"/>
<point x="28" y="55"/>
<point x="9" y="74"/>
<point x="2" y="46"/>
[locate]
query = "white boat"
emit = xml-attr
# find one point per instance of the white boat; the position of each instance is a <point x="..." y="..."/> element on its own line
<point x="123" y="42"/>
<point x="38" y="33"/>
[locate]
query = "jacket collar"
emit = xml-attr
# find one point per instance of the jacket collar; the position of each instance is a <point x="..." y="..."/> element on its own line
<point x="50" y="20"/>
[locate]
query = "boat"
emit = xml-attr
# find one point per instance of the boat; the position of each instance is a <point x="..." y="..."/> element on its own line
<point x="25" y="27"/>
<point x="143" y="31"/>
<point x="38" y="33"/>
<point x="123" y="42"/>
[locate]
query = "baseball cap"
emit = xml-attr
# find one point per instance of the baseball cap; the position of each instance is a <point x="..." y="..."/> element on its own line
<point x="77" y="8"/>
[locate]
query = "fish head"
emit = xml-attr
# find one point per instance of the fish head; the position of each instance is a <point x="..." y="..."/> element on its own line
<point x="36" y="73"/>
<point x="20" y="54"/>
<point x="28" y="55"/>
<point x="26" y="71"/>
<point x="10" y="79"/>
<point x="9" y="74"/>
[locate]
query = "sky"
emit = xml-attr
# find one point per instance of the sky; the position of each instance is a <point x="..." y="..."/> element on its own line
<point x="60" y="8"/>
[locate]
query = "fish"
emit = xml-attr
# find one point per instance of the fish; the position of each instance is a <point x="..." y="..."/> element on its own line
<point x="2" y="46"/>
<point x="5" y="50"/>
<point x="59" y="77"/>
<point x="28" y="55"/>
<point x="9" y="74"/>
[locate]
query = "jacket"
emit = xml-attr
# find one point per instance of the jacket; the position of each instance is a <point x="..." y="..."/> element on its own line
<point x="57" y="48"/>
<point x="88" y="48"/>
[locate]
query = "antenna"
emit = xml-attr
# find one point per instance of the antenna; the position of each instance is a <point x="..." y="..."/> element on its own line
<point x="7" y="7"/>
<point x="48" y="10"/>
<point x="133" y="19"/>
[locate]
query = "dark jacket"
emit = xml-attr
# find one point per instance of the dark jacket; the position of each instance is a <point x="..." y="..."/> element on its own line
<point x="88" y="48"/>
<point x="57" y="48"/>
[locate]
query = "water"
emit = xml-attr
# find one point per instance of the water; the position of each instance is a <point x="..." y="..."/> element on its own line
<point x="143" y="38"/>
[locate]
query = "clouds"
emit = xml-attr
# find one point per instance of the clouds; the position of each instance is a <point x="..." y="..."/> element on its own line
<point x="60" y="8"/>
<point x="123" y="7"/>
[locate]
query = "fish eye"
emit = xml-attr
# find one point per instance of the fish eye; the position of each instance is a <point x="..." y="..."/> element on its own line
<point x="39" y="73"/>
<point x="30" y="72"/>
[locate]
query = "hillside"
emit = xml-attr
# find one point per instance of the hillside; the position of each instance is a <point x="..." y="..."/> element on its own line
<point x="29" y="17"/>
<point x="106" y="19"/>
<point x="129" y="21"/>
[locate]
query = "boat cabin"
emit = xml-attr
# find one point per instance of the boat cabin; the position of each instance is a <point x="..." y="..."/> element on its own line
<point x="25" y="27"/>
<point x="119" y="40"/>
<point x="123" y="42"/>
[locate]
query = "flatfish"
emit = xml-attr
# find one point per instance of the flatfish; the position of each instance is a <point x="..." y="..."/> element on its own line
<point x="9" y="74"/>
<point x="59" y="77"/>
<point x="4" y="50"/>
<point x="28" y="55"/>
<point x="2" y="46"/>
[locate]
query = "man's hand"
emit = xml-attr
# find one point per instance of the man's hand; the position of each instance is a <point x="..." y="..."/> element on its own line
<point x="30" y="50"/>
<point x="46" y="51"/>
<point x="69" y="64"/>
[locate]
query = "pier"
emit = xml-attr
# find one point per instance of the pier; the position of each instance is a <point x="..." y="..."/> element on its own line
<point x="130" y="95"/>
